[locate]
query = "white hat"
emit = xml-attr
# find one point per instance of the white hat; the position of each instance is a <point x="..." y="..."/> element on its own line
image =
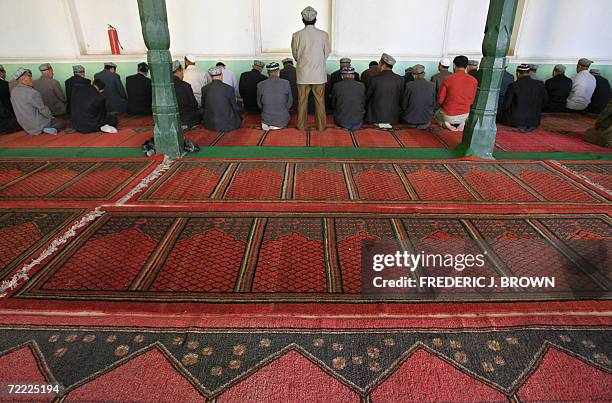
<point x="191" y="58"/>
<point x="445" y="61"/>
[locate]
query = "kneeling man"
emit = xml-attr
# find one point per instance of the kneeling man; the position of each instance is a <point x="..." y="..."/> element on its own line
<point x="524" y="100"/>
<point x="348" y="101"/>
<point x="219" y="104"/>
<point x="419" y="100"/>
<point x="88" y="109"/>
<point x="274" y="99"/>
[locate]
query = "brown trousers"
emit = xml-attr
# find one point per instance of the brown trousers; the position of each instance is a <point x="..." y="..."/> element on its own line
<point x="319" y="97"/>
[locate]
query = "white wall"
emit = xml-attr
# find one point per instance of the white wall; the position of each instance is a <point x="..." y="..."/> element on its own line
<point x="550" y="30"/>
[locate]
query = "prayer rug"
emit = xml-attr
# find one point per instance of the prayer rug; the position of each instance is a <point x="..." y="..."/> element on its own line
<point x="512" y="183"/>
<point x="71" y="180"/>
<point x="170" y="257"/>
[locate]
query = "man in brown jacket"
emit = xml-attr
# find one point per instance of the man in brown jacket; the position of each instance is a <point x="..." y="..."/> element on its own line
<point x="50" y="90"/>
<point x="310" y="48"/>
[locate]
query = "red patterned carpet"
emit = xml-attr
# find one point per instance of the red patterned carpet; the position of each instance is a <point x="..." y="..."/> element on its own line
<point x="378" y="184"/>
<point x="242" y="280"/>
<point x="558" y="132"/>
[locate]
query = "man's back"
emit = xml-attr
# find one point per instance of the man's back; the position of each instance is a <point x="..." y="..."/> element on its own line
<point x="197" y="78"/>
<point x="114" y="92"/>
<point x="274" y="97"/>
<point x="289" y="73"/>
<point x="583" y="86"/>
<point x="140" y="94"/>
<point x="418" y="102"/>
<point x="51" y="94"/>
<point x="523" y="103"/>
<point x="384" y="97"/>
<point x="457" y="93"/>
<point x="437" y="79"/>
<point x="601" y="95"/>
<point x="187" y="104"/>
<point x="5" y="96"/>
<point x="248" y="88"/>
<point x="71" y="84"/>
<point x="558" y="89"/>
<point x="310" y="47"/>
<point x="219" y="104"/>
<point x="348" y="100"/>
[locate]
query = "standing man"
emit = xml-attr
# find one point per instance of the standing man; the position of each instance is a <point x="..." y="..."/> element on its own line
<point x="31" y="112"/>
<point x="348" y="101"/>
<point x="523" y="102"/>
<point x="88" y="113"/>
<point x="248" y="86"/>
<point x="116" y="98"/>
<point x="419" y="100"/>
<point x="77" y="79"/>
<point x="50" y="90"/>
<point x="229" y="77"/>
<point x="219" y="104"/>
<point x="274" y="99"/>
<point x="289" y="73"/>
<point x="195" y="77"/>
<point x="558" y="88"/>
<point x="442" y="73"/>
<point x="384" y="95"/>
<point x="187" y="104"/>
<point x="456" y="96"/>
<point x="583" y="86"/>
<point x="310" y="48"/>
<point x="139" y="91"/>
<point x="601" y="95"/>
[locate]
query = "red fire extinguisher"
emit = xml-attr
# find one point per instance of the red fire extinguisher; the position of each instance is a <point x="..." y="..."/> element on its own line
<point x="113" y="39"/>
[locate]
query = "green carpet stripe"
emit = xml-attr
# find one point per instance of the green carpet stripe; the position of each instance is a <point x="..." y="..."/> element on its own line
<point x="294" y="152"/>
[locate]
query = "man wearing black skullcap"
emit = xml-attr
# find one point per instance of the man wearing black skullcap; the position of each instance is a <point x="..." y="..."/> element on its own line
<point x="139" y="91"/>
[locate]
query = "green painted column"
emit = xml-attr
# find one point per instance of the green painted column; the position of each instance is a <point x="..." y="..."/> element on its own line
<point x="168" y="133"/>
<point x="480" y="130"/>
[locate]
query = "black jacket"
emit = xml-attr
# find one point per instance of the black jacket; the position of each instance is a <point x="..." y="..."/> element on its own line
<point x="248" y="89"/>
<point x="220" y="108"/>
<point x="5" y="96"/>
<point x="88" y="109"/>
<point x="348" y="100"/>
<point x="289" y="73"/>
<point x="8" y="122"/>
<point x="384" y="97"/>
<point x="71" y="83"/>
<point x="523" y="103"/>
<point x="140" y="94"/>
<point x="506" y="80"/>
<point x="116" y="98"/>
<point x="601" y="95"/>
<point x="187" y="104"/>
<point x="558" y="89"/>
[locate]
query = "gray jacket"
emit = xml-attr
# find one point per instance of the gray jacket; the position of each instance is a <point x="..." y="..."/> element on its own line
<point x="31" y="112"/>
<point x="310" y="48"/>
<point x="116" y="98"/>
<point x="52" y="94"/>
<point x="418" y="102"/>
<point x="275" y="99"/>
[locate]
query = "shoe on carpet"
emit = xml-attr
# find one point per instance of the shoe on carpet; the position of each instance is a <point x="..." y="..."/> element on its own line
<point x="108" y="129"/>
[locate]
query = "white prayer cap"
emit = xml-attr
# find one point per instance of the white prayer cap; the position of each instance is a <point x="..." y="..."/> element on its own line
<point x="191" y="58"/>
<point x="445" y="61"/>
<point x="215" y="71"/>
<point x="176" y="65"/>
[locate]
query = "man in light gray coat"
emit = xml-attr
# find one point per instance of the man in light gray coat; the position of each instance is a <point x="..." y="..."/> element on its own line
<point x="310" y="48"/>
<point x="32" y="114"/>
<point x="50" y="90"/>
<point x="274" y="99"/>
